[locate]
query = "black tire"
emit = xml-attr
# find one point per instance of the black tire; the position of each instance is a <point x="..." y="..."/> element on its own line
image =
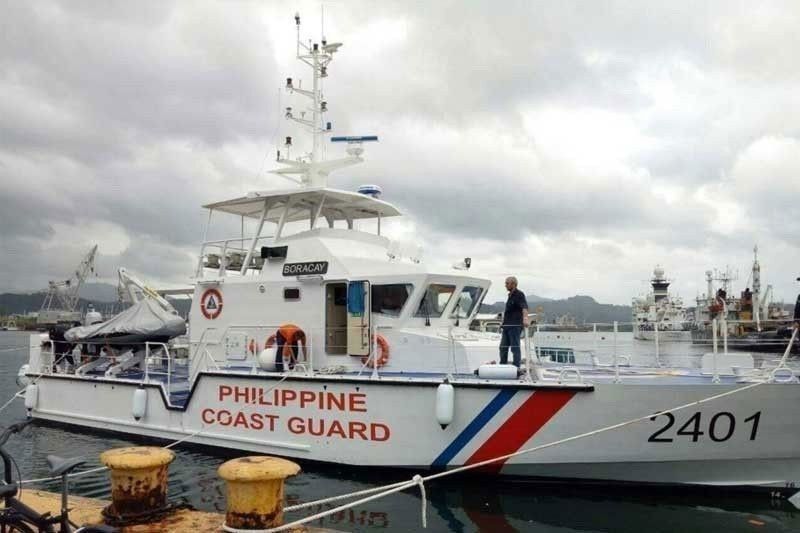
<point x="16" y="526"/>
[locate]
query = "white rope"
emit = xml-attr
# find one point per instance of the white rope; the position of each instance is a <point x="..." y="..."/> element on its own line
<point x="17" y="394"/>
<point x="323" y="514"/>
<point x="13" y="348"/>
<point x="418" y="480"/>
<point x="54" y="478"/>
<point x="21" y="392"/>
<point x="347" y="496"/>
<point x="101" y="468"/>
<point x="782" y="363"/>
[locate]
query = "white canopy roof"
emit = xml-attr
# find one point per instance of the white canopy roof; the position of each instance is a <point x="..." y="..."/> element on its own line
<point x="336" y="205"/>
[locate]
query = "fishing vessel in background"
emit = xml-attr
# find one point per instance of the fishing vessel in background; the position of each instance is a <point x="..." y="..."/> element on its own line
<point x="660" y="311"/>
<point x="753" y="321"/>
<point x="317" y="337"/>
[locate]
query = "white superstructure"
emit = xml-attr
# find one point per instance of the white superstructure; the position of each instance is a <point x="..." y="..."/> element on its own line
<point x="318" y="337"/>
<point x="659" y="312"/>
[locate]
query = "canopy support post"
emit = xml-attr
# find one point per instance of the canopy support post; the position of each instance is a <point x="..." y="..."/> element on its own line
<point x="316" y="214"/>
<point x="282" y="221"/>
<point x="199" y="273"/>
<point x="249" y="255"/>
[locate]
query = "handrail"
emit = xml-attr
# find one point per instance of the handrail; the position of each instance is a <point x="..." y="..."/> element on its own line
<point x="567" y="371"/>
<point x="204" y="343"/>
<point x="166" y="355"/>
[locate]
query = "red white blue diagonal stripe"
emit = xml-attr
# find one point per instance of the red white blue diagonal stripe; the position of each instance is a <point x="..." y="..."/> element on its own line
<point x="517" y="429"/>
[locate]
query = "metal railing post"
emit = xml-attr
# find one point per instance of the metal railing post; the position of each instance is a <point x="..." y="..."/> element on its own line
<point x="146" y="362"/>
<point x="655" y="333"/>
<point x="616" y="360"/>
<point x="452" y="347"/>
<point x="715" y="375"/>
<point x="724" y="325"/>
<point x="714" y="334"/>
<point x="374" y="356"/>
<point x="169" y="369"/>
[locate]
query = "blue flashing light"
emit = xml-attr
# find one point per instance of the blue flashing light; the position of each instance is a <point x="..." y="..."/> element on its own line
<point x="355" y="139"/>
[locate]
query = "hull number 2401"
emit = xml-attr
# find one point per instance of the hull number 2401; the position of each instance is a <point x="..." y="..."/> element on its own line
<point x="721" y="427"/>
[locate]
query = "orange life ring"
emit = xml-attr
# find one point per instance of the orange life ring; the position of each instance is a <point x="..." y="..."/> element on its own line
<point x="383" y="358"/>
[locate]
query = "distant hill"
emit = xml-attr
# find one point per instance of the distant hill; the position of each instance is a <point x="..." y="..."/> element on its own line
<point x="583" y="308"/>
<point x="17" y="304"/>
<point x="99" y="292"/>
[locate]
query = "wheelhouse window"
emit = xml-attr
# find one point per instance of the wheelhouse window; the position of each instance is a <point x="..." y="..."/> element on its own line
<point x="391" y="298"/>
<point x="467" y="300"/>
<point x="435" y="300"/>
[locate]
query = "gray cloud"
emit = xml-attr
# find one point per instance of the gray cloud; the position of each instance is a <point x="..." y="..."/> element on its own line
<point x="607" y="136"/>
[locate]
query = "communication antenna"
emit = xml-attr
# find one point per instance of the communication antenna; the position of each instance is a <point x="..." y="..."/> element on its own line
<point x="311" y="167"/>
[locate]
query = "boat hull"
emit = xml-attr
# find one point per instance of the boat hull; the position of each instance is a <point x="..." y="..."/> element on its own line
<point x="663" y="336"/>
<point x="392" y="423"/>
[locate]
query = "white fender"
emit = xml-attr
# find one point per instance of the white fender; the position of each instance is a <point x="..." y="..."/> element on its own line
<point x="31" y="396"/>
<point x="22" y="379"/>
<point x="139" y="407"/>
<point x="498" y="372"/>
<point x="266" y="359"/>
<point x="445" y="404"/>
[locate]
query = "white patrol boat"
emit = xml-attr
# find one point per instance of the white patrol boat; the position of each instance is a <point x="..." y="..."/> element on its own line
<point x="328" y="342"/>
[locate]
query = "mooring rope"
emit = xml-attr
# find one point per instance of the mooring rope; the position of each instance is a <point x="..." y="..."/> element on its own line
<point x="417" y="480"/>
<point x="101" y="468"/>
<point x="21" y="392"/>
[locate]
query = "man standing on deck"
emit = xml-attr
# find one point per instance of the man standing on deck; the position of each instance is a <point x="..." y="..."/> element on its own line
<point x="514" y="318"/>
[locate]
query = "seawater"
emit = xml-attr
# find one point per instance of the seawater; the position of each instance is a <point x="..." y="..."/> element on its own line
<point x="459" y="504"/>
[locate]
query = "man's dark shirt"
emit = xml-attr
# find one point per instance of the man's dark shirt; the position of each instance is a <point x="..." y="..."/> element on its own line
<point x="514" y="305"/>
<point x="797" y="308"/>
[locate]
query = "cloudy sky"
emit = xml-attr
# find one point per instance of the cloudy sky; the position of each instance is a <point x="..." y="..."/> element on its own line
<point x="574" y="144"/>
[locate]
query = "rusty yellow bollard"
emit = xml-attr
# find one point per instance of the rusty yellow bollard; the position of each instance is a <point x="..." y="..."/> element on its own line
<point x="255" y="491"/>
<point x="138" y="480"/>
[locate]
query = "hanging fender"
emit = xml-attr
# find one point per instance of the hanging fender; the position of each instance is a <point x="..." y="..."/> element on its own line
<point x="383" y="349"/>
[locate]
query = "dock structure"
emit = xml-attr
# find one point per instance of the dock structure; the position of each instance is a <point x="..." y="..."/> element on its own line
<point x="90" y="511"/>
<point x="140" y="502"/>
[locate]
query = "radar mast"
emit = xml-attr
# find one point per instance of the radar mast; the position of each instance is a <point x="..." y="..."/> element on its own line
<point x="311" y="168"/>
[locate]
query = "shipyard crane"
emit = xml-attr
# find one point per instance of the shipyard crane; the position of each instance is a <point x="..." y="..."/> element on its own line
<point x="61" y="302"/>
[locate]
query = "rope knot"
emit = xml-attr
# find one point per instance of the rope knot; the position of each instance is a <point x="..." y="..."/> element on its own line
<point x="420" y="482"/>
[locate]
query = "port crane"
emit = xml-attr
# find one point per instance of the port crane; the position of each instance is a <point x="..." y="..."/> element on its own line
<point x="61" y="301"/>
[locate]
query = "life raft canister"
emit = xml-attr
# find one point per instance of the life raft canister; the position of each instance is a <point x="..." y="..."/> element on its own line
<point x="383" y="349"/>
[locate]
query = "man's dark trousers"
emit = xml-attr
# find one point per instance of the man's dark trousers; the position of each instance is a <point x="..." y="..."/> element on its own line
<point x="510" y="339"/>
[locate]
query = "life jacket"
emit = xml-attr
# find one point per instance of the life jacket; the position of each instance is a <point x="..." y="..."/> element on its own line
<point x="292" y="337"/>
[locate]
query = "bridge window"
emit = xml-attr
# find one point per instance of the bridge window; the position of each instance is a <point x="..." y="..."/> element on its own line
<point x="467" y="301"/>
<point x="391" y="298"/>
<point x="435" y="300"/>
